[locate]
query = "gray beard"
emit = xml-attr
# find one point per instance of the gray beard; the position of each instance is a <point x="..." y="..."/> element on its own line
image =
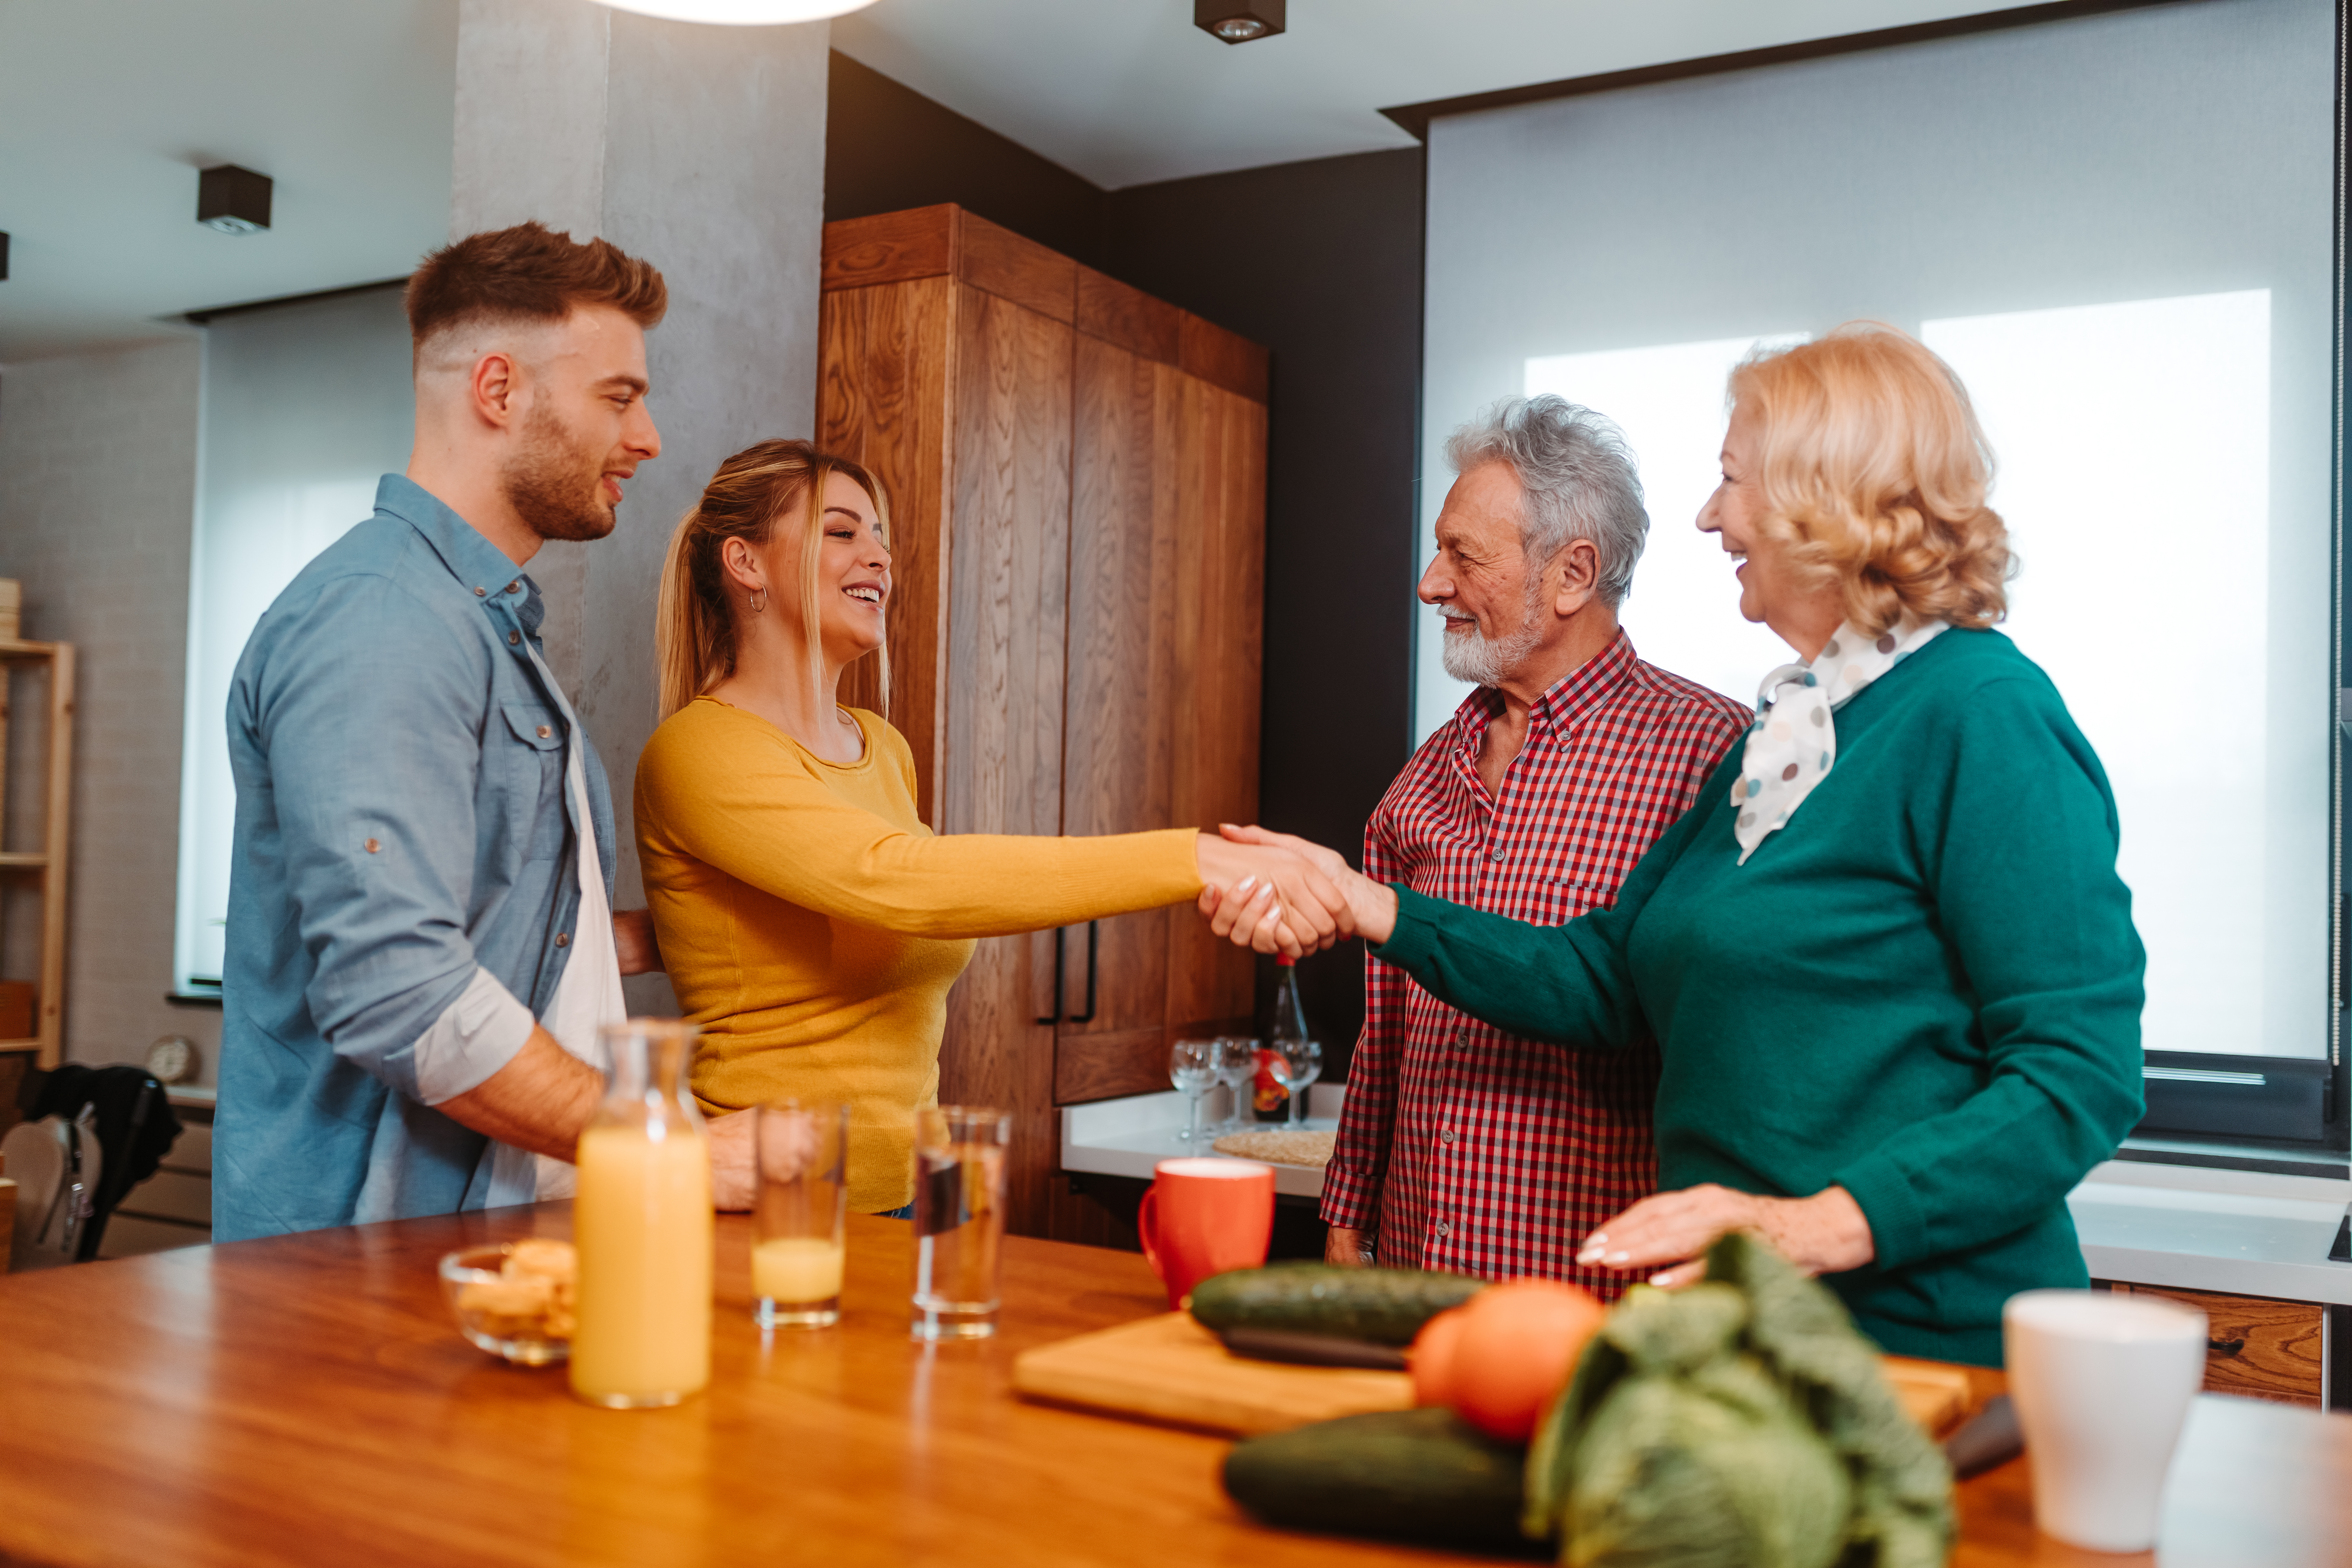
<point x="1483" y="660"/>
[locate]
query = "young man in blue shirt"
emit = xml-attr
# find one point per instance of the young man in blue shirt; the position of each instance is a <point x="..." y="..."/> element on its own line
<point x="420" y="939"/>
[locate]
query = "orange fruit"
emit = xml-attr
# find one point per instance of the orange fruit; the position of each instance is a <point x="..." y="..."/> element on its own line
<point x="1432" y="1358"/>
<point x="1505" y="1364"/>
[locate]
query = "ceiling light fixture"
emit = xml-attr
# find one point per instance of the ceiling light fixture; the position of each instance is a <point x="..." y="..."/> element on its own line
<point x="1238" y="21"/>
<point x="233" y="200"/>
<point x="740" y="12"/>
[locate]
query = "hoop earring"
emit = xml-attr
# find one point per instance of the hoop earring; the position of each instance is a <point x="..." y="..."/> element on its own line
<point x="759" y="601"/>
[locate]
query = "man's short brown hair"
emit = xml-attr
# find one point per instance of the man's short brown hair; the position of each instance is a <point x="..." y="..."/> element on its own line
<point x="532" y="273"/>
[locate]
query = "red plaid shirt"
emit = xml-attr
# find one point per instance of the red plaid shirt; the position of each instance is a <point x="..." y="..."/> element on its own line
<point x="1462" y="1147"/>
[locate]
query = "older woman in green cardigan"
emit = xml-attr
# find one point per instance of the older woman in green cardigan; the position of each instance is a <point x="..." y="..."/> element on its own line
<point x="1888" y="959"/>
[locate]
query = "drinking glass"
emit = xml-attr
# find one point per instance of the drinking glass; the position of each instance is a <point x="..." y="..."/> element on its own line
<point x="1296" y="1064"/>
<point x="1193" y="1067"/>
<point x="958" y="1219"/>
<point x="803" y="1201"/>
<point x="1236" y="1066"/>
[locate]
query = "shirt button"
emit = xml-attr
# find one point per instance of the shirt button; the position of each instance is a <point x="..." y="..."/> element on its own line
<point x="1444" y="1229"/>
<point x="1496" y="857"/>
<point x="481" y="593"/>
<point x="563" y="939"/>
<point x="513" y="638"/>
<point x="514" y="587"/>
<point x="372" y="847"/>
<point x="544" y="731"/>
<point x="1446" y="1136"/>
<point x="1462" y="1036"/>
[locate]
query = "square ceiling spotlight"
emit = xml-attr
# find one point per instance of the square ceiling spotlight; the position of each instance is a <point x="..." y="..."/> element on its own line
<point x="233" y="200"/>
<point x="1238" y="21"/>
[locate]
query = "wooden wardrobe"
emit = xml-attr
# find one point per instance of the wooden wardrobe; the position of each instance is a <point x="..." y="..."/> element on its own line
<point x="1076" y="478"/>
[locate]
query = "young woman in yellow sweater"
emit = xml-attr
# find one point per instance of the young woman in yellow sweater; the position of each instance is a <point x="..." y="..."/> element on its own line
<point x="810" y="921"/>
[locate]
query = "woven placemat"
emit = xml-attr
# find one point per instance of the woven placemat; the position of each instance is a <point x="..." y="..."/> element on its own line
<point x="1281" y="1147"/>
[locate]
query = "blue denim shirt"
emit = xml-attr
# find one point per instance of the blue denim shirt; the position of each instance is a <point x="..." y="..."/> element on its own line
<point x="406" y="874"/>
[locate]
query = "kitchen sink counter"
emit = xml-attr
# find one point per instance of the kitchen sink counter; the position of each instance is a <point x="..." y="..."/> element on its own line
<point x="306" y="1400"/>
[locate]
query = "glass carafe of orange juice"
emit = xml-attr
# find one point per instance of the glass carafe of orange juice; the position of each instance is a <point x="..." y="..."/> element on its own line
<point x="642" y="1223"/>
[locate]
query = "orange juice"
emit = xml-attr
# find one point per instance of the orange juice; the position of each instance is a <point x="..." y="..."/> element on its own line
<point x="642" y="1223"/>
<point x="795" y="1269"/>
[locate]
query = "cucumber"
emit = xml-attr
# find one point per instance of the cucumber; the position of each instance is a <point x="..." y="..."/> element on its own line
<point x="1386" y="1306"/>
<point x="1424" y="1476"/>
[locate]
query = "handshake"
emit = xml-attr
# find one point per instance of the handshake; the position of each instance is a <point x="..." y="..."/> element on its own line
<point x="1278" y="893"/>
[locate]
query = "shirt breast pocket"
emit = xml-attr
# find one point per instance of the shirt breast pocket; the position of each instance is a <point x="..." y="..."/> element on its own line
<point x="530" y="773"/>
<point x="1561" y="898"/>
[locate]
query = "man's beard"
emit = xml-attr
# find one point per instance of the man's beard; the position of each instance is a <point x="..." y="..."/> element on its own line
<point x="1482" y="660"/>
<point x="555" y="483"/>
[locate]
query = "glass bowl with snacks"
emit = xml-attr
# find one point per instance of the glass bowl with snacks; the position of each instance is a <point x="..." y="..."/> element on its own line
<point x="515" y="1299"/>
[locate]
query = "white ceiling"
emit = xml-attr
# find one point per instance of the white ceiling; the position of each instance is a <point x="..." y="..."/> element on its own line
<point x="107" y="107"/>
<point x="1128" y="92"/>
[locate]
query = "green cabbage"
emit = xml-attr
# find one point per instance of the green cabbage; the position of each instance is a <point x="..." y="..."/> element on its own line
<point x="1741" y="1422"/>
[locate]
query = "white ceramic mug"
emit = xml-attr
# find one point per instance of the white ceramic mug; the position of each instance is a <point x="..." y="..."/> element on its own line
<point x="2102" y="1383"/>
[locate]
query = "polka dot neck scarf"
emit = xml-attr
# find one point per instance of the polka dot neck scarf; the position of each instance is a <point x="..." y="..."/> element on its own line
<point x="1793" y="743"/>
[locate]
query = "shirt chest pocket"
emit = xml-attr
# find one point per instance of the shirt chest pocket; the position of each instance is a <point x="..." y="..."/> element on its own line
<point x="525" y="754"/>
<point x="1561" y="898"/>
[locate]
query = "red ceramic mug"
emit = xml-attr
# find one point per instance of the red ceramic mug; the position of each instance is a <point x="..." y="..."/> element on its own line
<point x="1202" y="1216"/>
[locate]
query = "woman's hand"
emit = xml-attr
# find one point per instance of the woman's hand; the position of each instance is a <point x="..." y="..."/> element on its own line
<point x="1279" y="903"/>
<point x="1371" y="906"/>
<point x="635" y="943"/>
<point x="734" y="1171"/>
<point x="1825" y="1233"/>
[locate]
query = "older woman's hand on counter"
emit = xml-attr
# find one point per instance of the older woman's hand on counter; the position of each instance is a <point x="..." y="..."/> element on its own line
<point x="1825" y="1233"/>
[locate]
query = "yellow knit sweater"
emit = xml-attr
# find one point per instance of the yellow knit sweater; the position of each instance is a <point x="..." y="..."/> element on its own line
<point x="813" y="925"/>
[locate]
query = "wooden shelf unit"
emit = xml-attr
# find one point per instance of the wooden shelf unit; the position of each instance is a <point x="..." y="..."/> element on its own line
<point x="45" y="865"/>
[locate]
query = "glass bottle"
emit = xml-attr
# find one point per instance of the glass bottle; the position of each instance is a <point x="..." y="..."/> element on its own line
<point x="1269" y="1098"/>
<point x="642" y="1223"/>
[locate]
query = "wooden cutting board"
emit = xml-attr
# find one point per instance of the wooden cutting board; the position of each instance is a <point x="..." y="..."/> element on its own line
<point x="1170" y="1369"/>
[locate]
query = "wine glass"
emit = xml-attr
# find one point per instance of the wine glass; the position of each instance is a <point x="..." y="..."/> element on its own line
<point x="1236" y="1065"/>
<point x="1193" y="1067"/>
<point x="1296" y="1064"/>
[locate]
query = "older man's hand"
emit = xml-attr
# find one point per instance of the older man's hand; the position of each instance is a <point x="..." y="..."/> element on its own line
<point x="1825" y="1233"/>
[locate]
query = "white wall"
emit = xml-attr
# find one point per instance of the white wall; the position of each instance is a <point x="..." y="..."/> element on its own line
<point x="98" y="455"/>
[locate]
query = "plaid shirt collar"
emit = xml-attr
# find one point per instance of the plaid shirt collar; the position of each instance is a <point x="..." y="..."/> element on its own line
<point x="1565" y="703"/>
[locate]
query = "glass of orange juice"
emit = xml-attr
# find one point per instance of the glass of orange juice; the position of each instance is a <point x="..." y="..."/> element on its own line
<point x="796" y="1247"/>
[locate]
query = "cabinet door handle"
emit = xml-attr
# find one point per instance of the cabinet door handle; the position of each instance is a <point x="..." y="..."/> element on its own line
<point x="2225" y="1347"/>
<point x="1054" y="1006"/>
<point x="1093" y="948"/>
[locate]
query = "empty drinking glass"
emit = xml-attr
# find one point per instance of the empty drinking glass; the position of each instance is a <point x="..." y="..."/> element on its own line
<point x="1295" y="1064"/>
<point x="1193" y="1068"/>
<point x="1236" y="1065"/>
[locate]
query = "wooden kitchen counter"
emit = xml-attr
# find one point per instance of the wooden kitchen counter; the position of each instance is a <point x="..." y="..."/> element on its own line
<point x="306" y="1400"/>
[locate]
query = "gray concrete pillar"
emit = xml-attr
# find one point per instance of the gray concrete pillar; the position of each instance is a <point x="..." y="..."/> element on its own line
<point x="702" y="150"/>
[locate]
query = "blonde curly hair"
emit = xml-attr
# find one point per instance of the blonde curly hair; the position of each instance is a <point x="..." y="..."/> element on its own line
<point x="1873" y="473"/>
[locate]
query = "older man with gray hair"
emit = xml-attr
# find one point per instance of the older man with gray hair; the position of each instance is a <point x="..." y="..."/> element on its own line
<point x="1464" y="1148"/>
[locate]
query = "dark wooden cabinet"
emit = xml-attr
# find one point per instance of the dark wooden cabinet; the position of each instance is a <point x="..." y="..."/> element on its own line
<point x="2255" y="1346"/>
<point x="1078" y="484"/>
